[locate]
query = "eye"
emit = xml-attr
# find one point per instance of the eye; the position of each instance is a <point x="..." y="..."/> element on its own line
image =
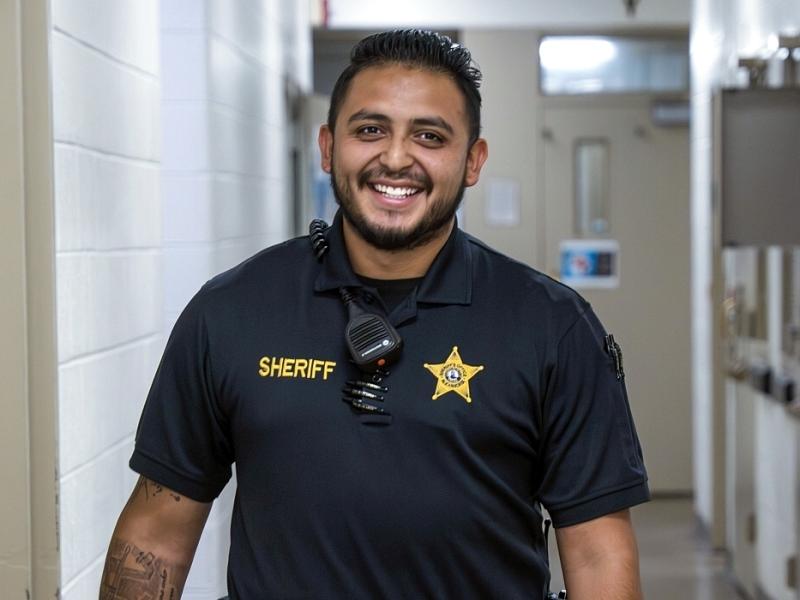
<point x="369" y="131"/>
<point x="430" y="137"/>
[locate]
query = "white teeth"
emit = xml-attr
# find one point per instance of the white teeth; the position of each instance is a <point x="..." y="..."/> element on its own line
<point x="397" y="192"/>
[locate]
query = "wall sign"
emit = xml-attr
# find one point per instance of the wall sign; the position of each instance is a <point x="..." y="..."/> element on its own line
<point x="590" y="264"/>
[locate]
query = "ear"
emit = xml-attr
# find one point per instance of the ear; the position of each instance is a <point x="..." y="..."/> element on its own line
<point x="325" y="141"/>
<point x="476" y="156"/>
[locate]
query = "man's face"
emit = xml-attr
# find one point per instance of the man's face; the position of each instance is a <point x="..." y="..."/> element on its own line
<point x="400" y="158"/>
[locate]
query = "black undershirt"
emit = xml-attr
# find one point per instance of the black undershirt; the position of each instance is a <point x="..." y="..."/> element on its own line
<point x="391" y="291"/>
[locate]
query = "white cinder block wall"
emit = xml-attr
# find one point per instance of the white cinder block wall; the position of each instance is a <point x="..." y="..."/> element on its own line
<point x="165" y="174"/>
<point x="706" y="50"/>
<point x="108" y="264"/>
<point x="723" y="30"/>
<point x="226" y="171"/>
<point x="225" y="164"/>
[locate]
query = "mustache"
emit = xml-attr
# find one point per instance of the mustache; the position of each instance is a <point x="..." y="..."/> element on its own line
<point x="419" y="178"/>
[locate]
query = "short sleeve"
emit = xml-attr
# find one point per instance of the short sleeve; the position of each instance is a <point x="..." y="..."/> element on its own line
<point x="183" y="438"/>
<point x="591" y="457"/>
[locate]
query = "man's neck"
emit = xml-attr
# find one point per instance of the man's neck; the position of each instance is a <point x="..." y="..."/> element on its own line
<point x="372" y="262"/>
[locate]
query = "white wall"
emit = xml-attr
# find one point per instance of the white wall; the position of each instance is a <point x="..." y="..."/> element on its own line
<point x="108" y="261"/>
<point x="170" y="166"/>
<point x="225" y="178"/>
<point x="458" y="14"/>
<point x="705" y="51"/>
<point x="721" y="31"/>
<point x="510" y="87"/>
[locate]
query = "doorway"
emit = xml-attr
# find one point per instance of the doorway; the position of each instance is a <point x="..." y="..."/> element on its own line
<point x="647" y="215"/>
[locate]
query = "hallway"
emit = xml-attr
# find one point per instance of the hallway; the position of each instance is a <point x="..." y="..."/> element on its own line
<point x="676" y="562"/>
<point x="151" y="145"/>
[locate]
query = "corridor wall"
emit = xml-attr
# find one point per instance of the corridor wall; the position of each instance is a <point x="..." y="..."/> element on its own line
<point x="106" y="94"/>
<point x="170" y="139"/>
<point x="225" y="176"/>
<point x="722" y="32"/>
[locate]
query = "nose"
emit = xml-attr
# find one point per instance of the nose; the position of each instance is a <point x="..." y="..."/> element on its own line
<point x="395" y="156"/>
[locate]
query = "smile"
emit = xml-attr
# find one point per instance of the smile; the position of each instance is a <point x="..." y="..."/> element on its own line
<point x="395" y="193"/>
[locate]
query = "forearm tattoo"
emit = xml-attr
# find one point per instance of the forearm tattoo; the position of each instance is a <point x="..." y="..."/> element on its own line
<point x="151" y="489"/>
<point x="133" y="573"/>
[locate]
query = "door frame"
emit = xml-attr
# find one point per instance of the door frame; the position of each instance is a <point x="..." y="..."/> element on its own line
<point x="28" y="352"/>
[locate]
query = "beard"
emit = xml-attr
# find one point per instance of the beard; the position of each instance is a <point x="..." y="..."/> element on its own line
<point x="438" y="216"/>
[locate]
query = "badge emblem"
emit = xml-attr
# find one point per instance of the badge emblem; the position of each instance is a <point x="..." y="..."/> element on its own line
<point x="453" y="375"/>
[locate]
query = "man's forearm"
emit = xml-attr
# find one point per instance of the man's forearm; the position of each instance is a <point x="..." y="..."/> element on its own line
<point x="614" y="578"/>
<point x="600" y="560"/>
<point x="134" y="572"/>
<point x="153" y="544"/>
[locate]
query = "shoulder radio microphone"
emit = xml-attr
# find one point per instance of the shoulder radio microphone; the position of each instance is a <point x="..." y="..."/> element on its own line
<point x="371" y="340"/>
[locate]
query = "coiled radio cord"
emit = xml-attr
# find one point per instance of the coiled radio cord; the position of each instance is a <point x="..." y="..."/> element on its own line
<point x="361" y="393"/>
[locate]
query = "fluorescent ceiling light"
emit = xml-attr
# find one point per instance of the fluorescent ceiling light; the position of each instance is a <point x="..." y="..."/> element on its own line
<point x="575" y="53"/>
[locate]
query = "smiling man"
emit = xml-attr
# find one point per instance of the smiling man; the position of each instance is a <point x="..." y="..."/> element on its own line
<point x="476" y="390"/>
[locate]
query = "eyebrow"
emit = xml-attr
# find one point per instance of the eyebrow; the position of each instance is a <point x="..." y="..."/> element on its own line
<point x="433" y="122"/>
<point x="364" y="115"/>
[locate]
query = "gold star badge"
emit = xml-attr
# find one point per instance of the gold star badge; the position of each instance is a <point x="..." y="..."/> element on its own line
<point x="453" y="376"/>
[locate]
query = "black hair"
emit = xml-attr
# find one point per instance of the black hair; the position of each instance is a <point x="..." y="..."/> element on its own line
<point x="414" y="48"/>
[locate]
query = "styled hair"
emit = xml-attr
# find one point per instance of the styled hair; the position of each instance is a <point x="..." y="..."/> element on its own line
<point x="417" y="49"/>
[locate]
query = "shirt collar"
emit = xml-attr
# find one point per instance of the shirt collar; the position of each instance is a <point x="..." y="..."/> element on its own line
<point x="448" y="280"/>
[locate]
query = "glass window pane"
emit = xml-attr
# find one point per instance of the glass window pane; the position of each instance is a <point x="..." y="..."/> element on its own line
<point x="613" y="64"/>
<point x="591" y="186"/>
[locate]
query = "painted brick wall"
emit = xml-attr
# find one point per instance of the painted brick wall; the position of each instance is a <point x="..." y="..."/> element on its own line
<point x="226" y="160"/>
<point x="108" y="264"/>
<point x="171" y="164"/>
<point x="225" y="178"/>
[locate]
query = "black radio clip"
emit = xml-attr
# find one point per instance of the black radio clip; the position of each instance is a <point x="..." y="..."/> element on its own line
<point x="371" y="340"/>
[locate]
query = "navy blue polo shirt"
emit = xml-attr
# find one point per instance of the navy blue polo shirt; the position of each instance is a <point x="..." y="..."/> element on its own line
<point x="504" y="400"/>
